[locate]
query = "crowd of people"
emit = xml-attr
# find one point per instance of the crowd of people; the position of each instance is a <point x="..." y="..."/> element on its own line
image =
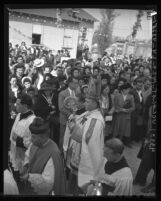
<point x="69" y="121"/>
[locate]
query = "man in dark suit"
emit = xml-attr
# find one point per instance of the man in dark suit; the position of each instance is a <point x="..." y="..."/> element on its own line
<point x="65" y="112"/>
<point x="50" y="58"/>
<point x="137" y="131"/>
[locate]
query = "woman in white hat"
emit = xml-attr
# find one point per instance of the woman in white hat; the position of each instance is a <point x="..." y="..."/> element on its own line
<point x="26" y="83"/>
<point x="36" y="73"/>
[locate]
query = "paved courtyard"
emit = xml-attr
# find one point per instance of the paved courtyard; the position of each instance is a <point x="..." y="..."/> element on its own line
<point x="133" y="161"/>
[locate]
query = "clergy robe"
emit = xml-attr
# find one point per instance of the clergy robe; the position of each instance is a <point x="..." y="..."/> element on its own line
<point x="92" y="147"/>
<point x="46" y="173"/>
<point x="119" y="174"/>
<point x="21" y="129"/>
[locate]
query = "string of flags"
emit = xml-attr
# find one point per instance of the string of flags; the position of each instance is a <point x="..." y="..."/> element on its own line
<point x="19" y="32"/>
<point x="51" y="22"/>
<point x="58" y="22"/>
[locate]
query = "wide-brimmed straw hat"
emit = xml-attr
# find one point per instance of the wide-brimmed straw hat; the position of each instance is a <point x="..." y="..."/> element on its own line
<point x="38" y="63"/>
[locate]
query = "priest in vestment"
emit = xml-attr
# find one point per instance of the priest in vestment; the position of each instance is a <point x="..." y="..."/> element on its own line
<point x="114" y="171"/>
<point x="44" y="171"/>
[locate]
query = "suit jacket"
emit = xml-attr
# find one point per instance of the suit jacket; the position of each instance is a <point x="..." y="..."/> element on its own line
<point x="138" y="105"/>
<point x="64" y="112"/>
<point x="50" y="59"/>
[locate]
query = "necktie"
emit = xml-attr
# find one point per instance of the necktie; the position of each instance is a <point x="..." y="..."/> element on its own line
<point x="141" y="97"/>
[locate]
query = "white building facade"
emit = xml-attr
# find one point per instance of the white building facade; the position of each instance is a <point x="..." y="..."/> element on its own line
<point x="39" y="26"/>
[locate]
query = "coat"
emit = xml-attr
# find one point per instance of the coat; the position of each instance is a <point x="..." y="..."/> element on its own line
<point x="138" y="105"/>
<point x="146" y="111"/>
<point x="121" y="124"/>
<point x="43" y="109"/>
<point x="50" y="59"/>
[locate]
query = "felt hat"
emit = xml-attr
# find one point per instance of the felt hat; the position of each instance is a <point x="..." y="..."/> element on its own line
<point x="19" y="65"/>
<point x="125" y="86"/>
<point x="39" y="126"/>
<point x="26" y="99"/>
<point x="78" y="62"/>
<point x="38" y="63"/>
<point x="47" y="85"/>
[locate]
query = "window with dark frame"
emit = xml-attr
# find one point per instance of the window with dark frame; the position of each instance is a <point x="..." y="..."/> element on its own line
<point x="36" y="38"/>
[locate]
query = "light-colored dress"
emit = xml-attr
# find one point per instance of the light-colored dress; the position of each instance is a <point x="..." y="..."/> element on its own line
<point x="121" y="124"/>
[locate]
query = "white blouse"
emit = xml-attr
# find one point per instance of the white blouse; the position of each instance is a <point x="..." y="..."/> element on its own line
<point x="15" y="91"/>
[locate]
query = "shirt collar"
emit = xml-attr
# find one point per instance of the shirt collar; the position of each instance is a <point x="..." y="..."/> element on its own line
<point x="26" y="114"/>
<point x="70" y="91"/>
<point x="139" y="91"/>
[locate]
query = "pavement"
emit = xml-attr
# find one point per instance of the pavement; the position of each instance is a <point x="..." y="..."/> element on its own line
<point x="130" y="154"/>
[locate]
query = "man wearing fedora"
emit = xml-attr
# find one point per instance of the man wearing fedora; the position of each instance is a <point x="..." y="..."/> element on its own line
<point x="91" y="137"/>
<point x="43" y="170"/>
<point x="50" y="58"/>
<point x="46" y="107"/>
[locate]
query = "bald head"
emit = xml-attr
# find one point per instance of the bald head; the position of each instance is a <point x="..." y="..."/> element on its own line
<point x="115" y="145"/>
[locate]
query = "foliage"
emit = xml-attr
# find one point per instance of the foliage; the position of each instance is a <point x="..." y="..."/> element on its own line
<point x="137" y="24"/>
<point x="103" y="35"/>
